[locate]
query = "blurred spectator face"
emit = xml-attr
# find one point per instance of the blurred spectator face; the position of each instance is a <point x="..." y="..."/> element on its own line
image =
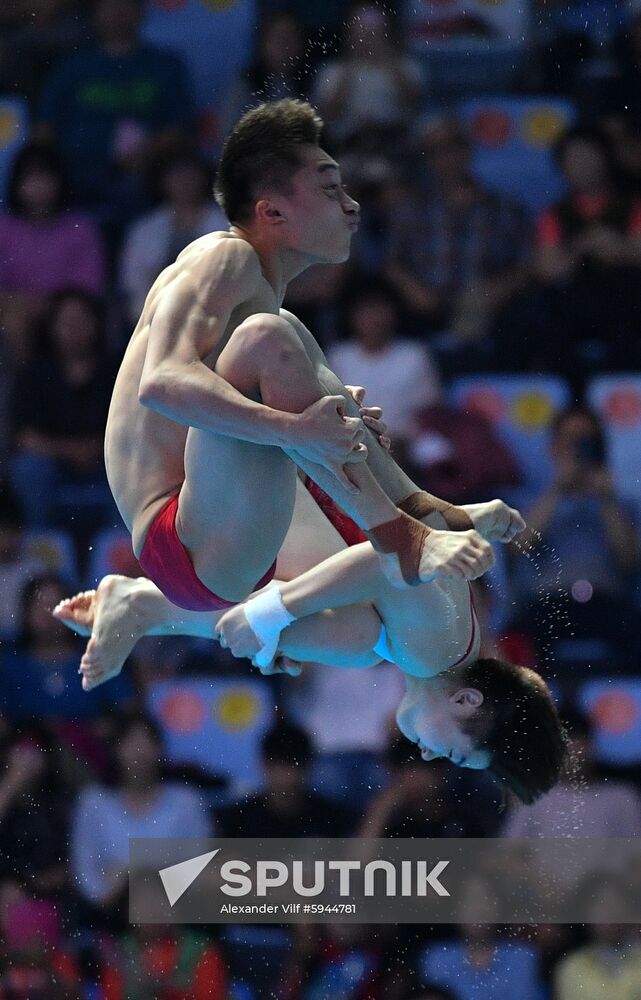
<point x="447" y="153"/>
<point x="117" y="20"/>
<point x="367" y="32"/>
<point x="38" y="190"/>
<point x="584" y="164"/>
<point x="283" y="778"/>
<point x="26" y="759"/>
<point x="73" y="328"/>
<point x="185" y="182"/>
<point x="575" y="440"/>
<point x="282" y="43"/>
<point x="138" y="753"/>
<point x="373" y="321"/>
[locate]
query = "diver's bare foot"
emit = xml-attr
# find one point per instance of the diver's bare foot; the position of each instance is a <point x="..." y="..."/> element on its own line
<point x="494" y="520"/>
<point x="411" y="554"/>
<point x="77" y="612"/>
<point x="119" y="621"/>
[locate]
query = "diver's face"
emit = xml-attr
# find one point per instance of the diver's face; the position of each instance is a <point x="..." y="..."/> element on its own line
<point x="319" y="216"/>
<point x="432" y="719"/>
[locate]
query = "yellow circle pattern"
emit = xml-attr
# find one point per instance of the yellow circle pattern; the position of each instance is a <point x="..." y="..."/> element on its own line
<point x="9" y="126"/>
<point x="220" y="4"/>
<point x="236" y="709"/>
<point x="542" y="126"/>
<point x="532" y="411"/>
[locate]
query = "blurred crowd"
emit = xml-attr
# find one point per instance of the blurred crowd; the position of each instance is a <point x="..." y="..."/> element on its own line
<point x="112" y="113"/>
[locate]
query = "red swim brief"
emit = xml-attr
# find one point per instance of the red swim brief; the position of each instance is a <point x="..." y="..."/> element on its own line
<point x="166" y="561"/>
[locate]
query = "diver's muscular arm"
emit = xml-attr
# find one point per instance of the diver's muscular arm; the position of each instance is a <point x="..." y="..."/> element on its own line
<point x="189" y="321"/>
<point x="350" y="578"/>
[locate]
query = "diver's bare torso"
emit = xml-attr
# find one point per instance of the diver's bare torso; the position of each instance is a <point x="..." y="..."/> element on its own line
<point x="430" y="628"/>
<point x="143" y="449"/>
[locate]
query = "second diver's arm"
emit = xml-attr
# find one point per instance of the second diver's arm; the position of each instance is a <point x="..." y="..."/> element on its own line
<point x="351" y="578"/>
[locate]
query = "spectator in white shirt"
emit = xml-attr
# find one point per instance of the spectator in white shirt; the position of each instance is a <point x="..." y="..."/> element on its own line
<point x="398" y="373"/>
<point x="140" y="804"/>
<point x="186" y="212"/>
<point x="371" y="93"/>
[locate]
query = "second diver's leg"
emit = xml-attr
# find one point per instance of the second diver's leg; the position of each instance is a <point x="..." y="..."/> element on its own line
<point x="398" y="486"/>
<point x="343" y="637"/>
<point x="406" y="551"/>
<point x="123" y="609"/>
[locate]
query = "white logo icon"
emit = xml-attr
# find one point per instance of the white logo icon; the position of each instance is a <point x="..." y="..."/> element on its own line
<point x="177" y="878"/>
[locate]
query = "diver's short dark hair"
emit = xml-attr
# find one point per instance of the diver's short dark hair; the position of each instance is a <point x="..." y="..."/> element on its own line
<point x="262" y="151"/>
<point x="518" y="724"/>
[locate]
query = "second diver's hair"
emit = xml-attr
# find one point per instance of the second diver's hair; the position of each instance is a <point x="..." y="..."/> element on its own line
<point x="518" y="724"/>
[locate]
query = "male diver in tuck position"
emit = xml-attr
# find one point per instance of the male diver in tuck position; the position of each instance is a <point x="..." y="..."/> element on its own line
<point x="221" y="394"/>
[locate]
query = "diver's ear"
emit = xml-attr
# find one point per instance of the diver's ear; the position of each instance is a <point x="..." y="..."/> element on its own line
<point x="268" y="213"/>
<point x="468" y="697"/>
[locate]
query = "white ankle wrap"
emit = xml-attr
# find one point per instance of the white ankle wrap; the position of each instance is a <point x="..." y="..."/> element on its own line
<point x="267" y="616"/>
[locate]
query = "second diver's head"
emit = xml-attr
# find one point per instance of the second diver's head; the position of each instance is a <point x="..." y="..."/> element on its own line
<point x="489" y="715"/>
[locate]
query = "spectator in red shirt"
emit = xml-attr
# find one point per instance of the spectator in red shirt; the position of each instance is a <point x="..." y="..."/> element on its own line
<point x="597" y="224"/>
<point x="168" y="963"/>
<point x="583" y="313"/>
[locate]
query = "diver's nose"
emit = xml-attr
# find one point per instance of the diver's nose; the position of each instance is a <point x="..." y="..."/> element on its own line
<point x="350" y="205"/>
